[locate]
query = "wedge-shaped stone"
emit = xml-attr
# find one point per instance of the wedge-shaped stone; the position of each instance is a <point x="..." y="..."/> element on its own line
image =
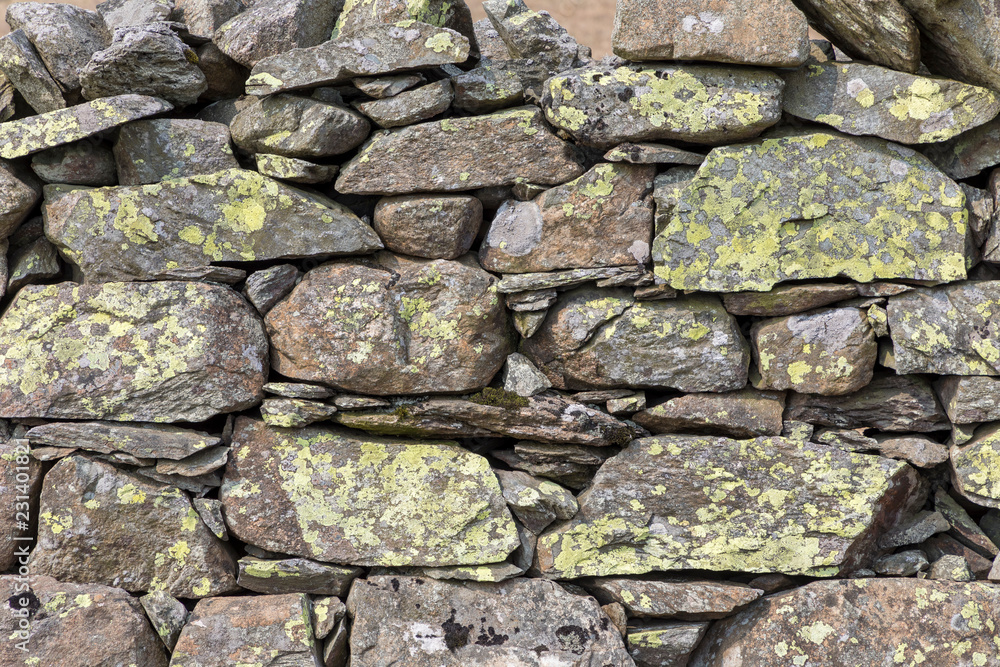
<point x="976" y="467"/>
<point x="556" y="230"/>
<point x="142" y="440"/>
<point x="815" y="205"/>
<point x="447" y="155"/>
<point x="233" y="215"/>
<point x="295" y="575"/>
<point x="603" y="105"/>
<point x="787" y="299"/>
<point x="157" y="352"/>
<point x="20" y="483"/>
<point x="90" y="511"/>
<point x="19" y="192"/>
<point x="948" y="330"/>
<point x="392" y="325"/>
<point x="961" y="39"/>
<point x="274" y="27"/>
<point x="866" y="99"/>
<point x="743" y="32"/>
<point x="914" y="621"/>
<point x="55" y="128"/>
<point x="341" y="497"/>
<point x="603" y="338"/>
<point x="664" y="644"/>
<point x="970" y="399"/>
<point x="764" y="505"/>
<point x="523" y="622"/>
<point x="745" y="413"/>
<point x="25" y="70"/>
<point x="683" y="598"/>
<point x="371" y="51"/>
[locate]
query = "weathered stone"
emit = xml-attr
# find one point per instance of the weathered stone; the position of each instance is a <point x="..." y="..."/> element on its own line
<point x="487" y="88"/>
<point x="274" y="27"/>
<point x="434" y="227"/>
<point x="265" y="288"/>
<point x="167" y="614"/>
<point x="381" y="87"/>
<point x="344" y="402"/>
<point x="197" y="465"/>
<point x="474" y="624"/>
<point x="612" y="202"/>
<point x="969" y="153"/>
<point x="945" y="545"/>
<point x="412" y="106"/>
<point x="526" y="282"/>
<point x="778" y="224"/>
<point x="129" y="13"/>
<point x="664" y="644"/>
<point x="963" y="528"/>
<point x="536" y="502"/>
<point x="7" y="103"/>
<point x="74" y="625"/>
<point x="327" y="612"/>
<point x="141" y="440"/>
<point x="19" y="192"/>
<point x="570" y="465"/>
<point x="603" y="105"/>
<point x="25" y="70"/>
<point x="970" y="400"/>
<point x="224" y="275"/>
<point x="846" y="439"/>
<point x="371" y="51"/>
<point x="294" y="412"/>
<point x="228" y="631"/>
<point x="164" y="351"/>
<point x="294" y="170"/>
<point x="520" y="377"/>
<point x="297" y="390"/>
<point x="950" y="568"/>
<point x="829" y="352"/>
<point x="225" y="78"/>
<point x="948" y="330"/>
<point x="232" y="215"/>
<point x="682" y="598"/>
<point x="975" y="467"/>
<point x="596" y="339"/>
<point x="357" y="16"/>
<point x="204" y="17"/>
<point x="89" y="509"/>
<point x="33" y="263"/>
<point x="902" y="564"/>
<point x="959" y="39"/>
<point x="20" y="482"/>
<point x="295" y="575"/>
<point x="648" y="153"/>
<point x="81" y="163"/>
<point x="395" y="325"/>
<point x="297" y="492"/>
<point x="527" y="324"/>
<point x="697" y="508"/>
<point x="918" y="450"/>
<point x="772" y="34"/>
<point x="866" y="99"/>
<point x="210" y="511"/>
<point x="298" y="127"/>
<point x="744" y="413"/>
<point x="787" y="299"/>
<point x="888" y="617"/>
<point x="149" y="151"/>
<point x="446" y="155"/>
<point x="914" y="530"/>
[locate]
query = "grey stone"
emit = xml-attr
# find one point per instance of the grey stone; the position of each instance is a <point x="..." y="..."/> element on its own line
<point x="20" y="483"/>
<point x="295" y="575"/>
<point x="204" y="17"/>
<point x="434" y="227"/>
<point x="381" y="87"/>
<point x="141" y="440"/>
<point x="129" y="13"/>
<point x="224" y="77"/>
<point x="570" y="465"/>
<point x="950" y="568"/>
<point x="34" y="263"/>
<point x="298" y="390"/>
<point x="918" y="450"/>
<point x="536" y="502"/>
<point x="327" y="613"/>
<point x="914" y="530"/>
<point x="787" y="299"/>
<point x="210" y="511"/>
<point x="267" y="287"/>
<point x="960" y="39"/>
<point x="526" y="282"/>
<point x="167" y="614"/>
<point x="149" y="151"/>
<point x="902" y="564"/>
<point x="520" y="376"/>
<point x="197" y="465"/>
<point x="487" y="88"/>
<point x="299" y="127"/>
<point x="664" y="644"/>
<point x="80" y="163"/>
<point x="274" y="27"/>
<point x="26" y="72"/>
<point x="682" y="598"/>
<point x="411" y="106"/>
<point x="974" y="466"/>
<point x="650" y="153"/>
<point x="970" y="399"/>
<point x="294" y="412"/>
<point x="294" y="170"/>
<point x="19" y="192"/>
<point x="744" y="413"/>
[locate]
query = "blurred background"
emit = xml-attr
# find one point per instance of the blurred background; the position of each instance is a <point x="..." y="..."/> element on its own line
<point x="589" y="21"/>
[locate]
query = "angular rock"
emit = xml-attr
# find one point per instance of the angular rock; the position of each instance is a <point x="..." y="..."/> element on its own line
<point x="969" y="153"/>
<point x="950" y="568"/>
<point x="446" y="156"/>
<point x="529" y="282"/>
<point x="25" y="70"/>
<point x="210" y="511"/>
<point x="300" y="492"/>
<point x="20" y="482"/>
<point x="520" y="377"/>
<point x="918" y="450"/>
<point x="570" y="465"/>
<point x="129" y="13"/>
<point x="80" y="163"/>
<point x="487" y="88"/>
<point x="265" y="288"/>
<point x="274" y="27"/>
<point x="963" y="528"/>
<point x="959" y="39"/>
<point x="604" y="105"/>
<point x="946" y="545"/>
<point x="787" y="299"/>
<point x="744" y="413"/>
<point x="664" y="644"/>
<point x="225" y="78"/>
<point x="612" y="202"/>
<point x="598" y="339"/>
<point x="536" y="502"/>
<point x="141" y="440"/>
<point x="204" y="17"/>
<point x="149" y="151"/>
<point x="298" y="127"/>
<point x="394" y="325"/>
<point x="358" y="16"/>
<point x="228" y="631"/>
<point x="327" y="612"/>
<point x="682" y="598"/>
<point x="412" y="106"/>
<point x="295" y="575"/>
<point x="297" y="390"/>
<point x="19" y="192"/>
<point x="164" y="351"/>
<point x="649" y="153"/>
<point x="975" y="467"/>
<point x="525" y="622"/>
<point x="197" y="465"/>
<point x="294" y="170"/>
<point x="829" y="352"/>
<point x="55" y="128"/>
<point x="294" y="412"/>
<point x="697" y="506"/>
<point x="167" y="614"/>
<point x="232" y="215"/>
<point x="743" y="32"/>
<point x="970" y="399"/>
<point x="834" y="194"/>
<point x="889" y="617"/>
<point x="902" y="564"/>
<point x="89" y="508"/>
<point x="381" y="87"/>
<point x="914" y="530"/>
<point x="434" y="227"/>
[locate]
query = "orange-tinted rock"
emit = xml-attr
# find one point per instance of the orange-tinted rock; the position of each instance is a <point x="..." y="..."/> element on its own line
<point x="744" y="413"/>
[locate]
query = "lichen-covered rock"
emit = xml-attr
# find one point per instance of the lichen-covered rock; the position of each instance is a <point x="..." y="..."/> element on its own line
<point x="447" y="156"/>
<point x="970" y="399"/>
<point x="969" y="153"/>
<point x="393" y="325"/>
<point x="140" y="440"/>
<point x="524" y="622"/>
<point x="764" y="505"/>
<point x="743" y="32"/>
<point x="275" y="27"/>
<point x="63" y="126"/>
<point x="536" y="502"/>
<point x="800" y="206"/>
<point x="487" y="88"/>
<point x="664" y="644"/>
<point x="866" y="99"/>
<point x="73" y="625"/>
<point x="358" y="15"/>
<point x="959" y="39"/>
<point x="165" y="351"/>
<point x="894" y="621"/>
<point x="90" y="511"/>
<point x="371" y="51"/>
<point x="381" y="87"/>
<point x="25" y="70"/>
<point x="434" y="227"/>
<point x="236" y="631"/>
<point x="411" y="106"/>
<point x="745" y="413"/>
<point x="294" y="412"/>
<point x="295" y="575"/>
<point x="682" y="598"/>
<point x="604" y="105"/>
<point x="234" y="215"/>
<point x="20" y="482"/>
<point x="298" y="127"/>
<point x="652" y="153"/>
<point x="149" y="151"/>
<point x="787" y="299"/>
<point x="294" y="170"/>
<point x="265" y="288"/>
<point x="879" y="31"/>
<point x="331" y="495"/>
<point x="976" y="467"/>
<point x="948" y="330"/>
<point x="829" y="352"/>
<point x="167" y="614"/>
<point x="612" y="202"/>
<point x="19" y="192"/>
<point x="918" y="450"/>
<point x="570" y="465"/>
<point x="128" y="13"/>
<point x="604" y="338"/>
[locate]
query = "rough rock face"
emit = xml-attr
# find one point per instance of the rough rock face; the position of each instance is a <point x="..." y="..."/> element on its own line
<point x="739" y="226"/>
<point x="974" y="467"/>
<point x="426" y="623"/>
<point x="433" y="227"/>
<point x="26" y="71"/>
<point x="19" y="193"/>
<point x="679" y="597"/>
<point x="298" y="127"/>
<point x="271" y="28"/>
<point x="745" y="413"/>
<point x="140" y="440"/>
<point x="960" y="39"/>
<point x="164" y="351"/>
<point x="297" y="492"/>
<point x="20" y="481"/>
<point x="150" y="151"/>
<point x="970" y="399"/>
<point x="393" y="325"/>
<point x="720" y="504"/>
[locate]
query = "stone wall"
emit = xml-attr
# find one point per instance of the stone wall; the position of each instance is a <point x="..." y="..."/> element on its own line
<point x="361" y="333"/>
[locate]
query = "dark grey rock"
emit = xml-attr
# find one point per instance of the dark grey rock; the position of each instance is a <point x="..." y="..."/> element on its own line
<point x="149" y="151"/>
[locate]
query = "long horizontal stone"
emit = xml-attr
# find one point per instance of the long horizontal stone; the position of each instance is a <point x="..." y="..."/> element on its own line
<point x="142" y="440"/>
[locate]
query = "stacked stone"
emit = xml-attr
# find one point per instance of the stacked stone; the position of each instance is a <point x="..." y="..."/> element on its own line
<point x="358" y="333"/>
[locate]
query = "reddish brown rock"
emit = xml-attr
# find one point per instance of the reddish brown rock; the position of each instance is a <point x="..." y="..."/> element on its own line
<point x="745" y="413"/>
<point x="684" y="598"/>
<point x="429" y="226"/>
<point x="20" y="482"/>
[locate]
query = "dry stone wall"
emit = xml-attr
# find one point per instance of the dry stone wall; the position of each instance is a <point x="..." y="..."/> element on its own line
<point x="344" y="332"/>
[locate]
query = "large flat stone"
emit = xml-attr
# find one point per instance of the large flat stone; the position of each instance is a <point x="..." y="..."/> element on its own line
<point x="141" y="440"/>
<point x="744" y="413"/>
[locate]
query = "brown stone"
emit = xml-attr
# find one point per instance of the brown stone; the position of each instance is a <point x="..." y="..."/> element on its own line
<point x="434" y="227"/>
<point x="683" y="598"/>
<point x="787" y="299"/>
<point x="745" y="413"/>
